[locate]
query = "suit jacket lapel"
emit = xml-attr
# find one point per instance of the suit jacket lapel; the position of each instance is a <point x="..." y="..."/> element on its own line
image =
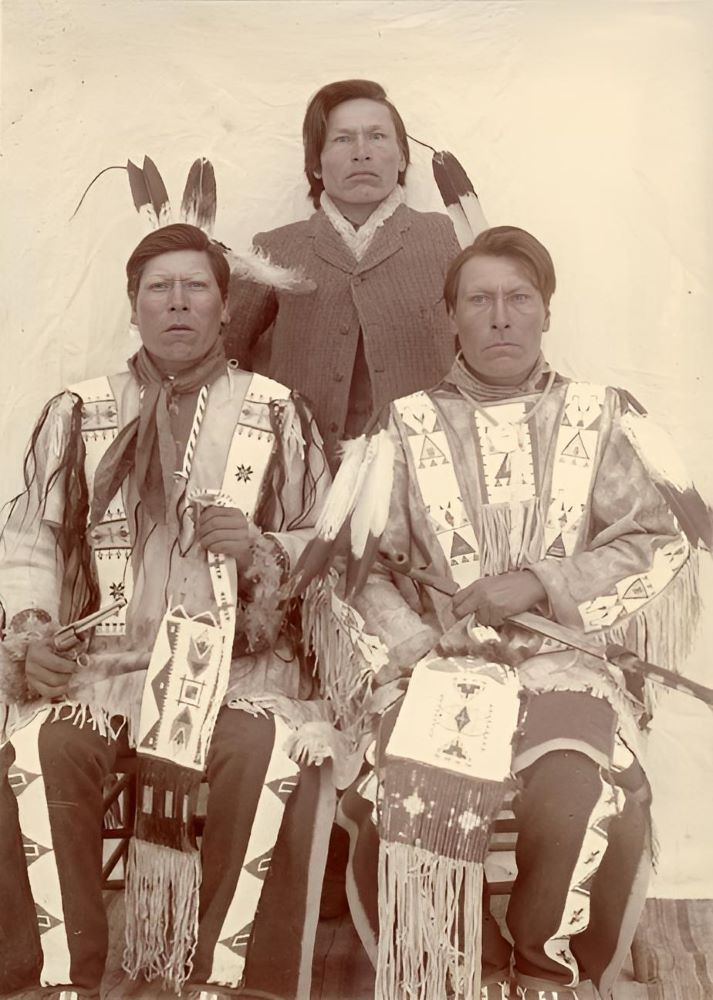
<point x="329" y="245"/>
<point x="387" y="239"/>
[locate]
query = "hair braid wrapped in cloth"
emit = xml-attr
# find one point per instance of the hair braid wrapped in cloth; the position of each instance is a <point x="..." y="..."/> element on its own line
<point x="444" y="771"/>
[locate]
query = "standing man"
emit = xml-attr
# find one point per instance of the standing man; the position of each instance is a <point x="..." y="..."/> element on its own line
<point x="376" y="326"/>
<point x="522" y="490"/>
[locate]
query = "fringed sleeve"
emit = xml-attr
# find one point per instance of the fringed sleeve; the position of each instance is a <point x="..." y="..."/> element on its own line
<point x="635" y="578"/>
<point x="32" y="551"/>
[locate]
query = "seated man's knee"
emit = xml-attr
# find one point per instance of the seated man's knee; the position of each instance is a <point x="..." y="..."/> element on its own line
<point x="558" y="789"/>
<point x="66" y="750"/>
<point x="241" y="743"/>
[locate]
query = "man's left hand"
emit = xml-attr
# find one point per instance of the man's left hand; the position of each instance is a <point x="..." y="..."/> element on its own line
<point x="225" y="530"/>
<point x="495" y="598"/>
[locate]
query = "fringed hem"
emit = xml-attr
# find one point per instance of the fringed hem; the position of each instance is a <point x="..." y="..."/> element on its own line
<point x="663" y="631"/>
<point x="345" y="678"/>
<point x="430" y="938"/>
<point x="161" y="913"/>
<point x="512" y="536"/>
<point x="109" y="725"/>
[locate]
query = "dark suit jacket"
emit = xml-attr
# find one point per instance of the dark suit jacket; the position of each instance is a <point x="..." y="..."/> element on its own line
<point x="394" y="295"/>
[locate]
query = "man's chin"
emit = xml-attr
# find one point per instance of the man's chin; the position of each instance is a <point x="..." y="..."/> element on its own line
<point x="502" y="374"/>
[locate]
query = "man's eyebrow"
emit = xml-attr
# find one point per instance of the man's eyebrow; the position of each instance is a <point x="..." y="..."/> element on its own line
<point x="366" y="128"/>
<point x="170" y="274"/>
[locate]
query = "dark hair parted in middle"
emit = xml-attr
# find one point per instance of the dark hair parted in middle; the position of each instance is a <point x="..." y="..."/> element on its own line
<point x="505" y="241"/>
<point x="314" y="126"/>
<point x="179" y="236"/>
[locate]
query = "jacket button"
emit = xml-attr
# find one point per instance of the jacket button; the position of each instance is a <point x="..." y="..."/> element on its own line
<point x="356" y="280"/>
<point x="334" y="428"/>
<point x="344" y="330"/>
<point x="338" y="377"/>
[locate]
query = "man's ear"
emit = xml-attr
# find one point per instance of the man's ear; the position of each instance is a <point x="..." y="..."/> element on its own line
<point x="134" y="317"/>
<point x="452" y="324"/>
<point x="317" y="174"/>
<point x="546" y="324"/>
<point x="225" y="315"/>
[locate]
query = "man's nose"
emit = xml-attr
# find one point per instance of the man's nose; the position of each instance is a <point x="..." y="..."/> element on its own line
<point x="177" y="296"/>
<point x="360" y="150"/>
<point x="500" y="317"/>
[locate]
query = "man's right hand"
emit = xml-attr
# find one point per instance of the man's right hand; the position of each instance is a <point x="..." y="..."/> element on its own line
<point x="47" y="672"/>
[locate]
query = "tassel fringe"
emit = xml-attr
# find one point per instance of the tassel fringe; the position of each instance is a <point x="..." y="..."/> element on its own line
<point x="663" y="631"/>
<point x="161" y="913"/>
<point x="513" y="536"/>
<point x="345" y="677"/>
<point x="430" y="938"/>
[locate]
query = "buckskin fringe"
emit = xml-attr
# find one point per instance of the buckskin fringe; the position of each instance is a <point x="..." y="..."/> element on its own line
<point x="431" y="879"/>
<point x="161" y="912"/>
<point x="428" y="945"/>
<point x="345" y="679"/>
<point x="512" y="536"/>
<point x="664" y="630"/>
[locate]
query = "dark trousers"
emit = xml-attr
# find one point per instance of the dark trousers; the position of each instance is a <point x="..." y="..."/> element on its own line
<point x="74" y="761"/>
<point x="554" y="809"/>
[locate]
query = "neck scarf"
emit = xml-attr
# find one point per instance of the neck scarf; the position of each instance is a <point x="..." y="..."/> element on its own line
<point x="464" y="378"/>
<point x="146" y="444"/>
<point x="359" y="240"/>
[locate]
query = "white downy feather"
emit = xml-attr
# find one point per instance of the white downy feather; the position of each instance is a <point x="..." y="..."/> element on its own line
<point x="371" y="509"/>
<point x="256" y="266"/>
<point x="345" y="489"/>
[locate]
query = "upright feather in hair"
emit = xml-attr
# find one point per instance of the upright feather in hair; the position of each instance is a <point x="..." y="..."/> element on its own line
<point x="149" y="193"/>
<point x="199" y="203"/>
<point x="157" y="192"/>
<point x="140" y="192"/>
<point x="459" y="197"/>
<point x="458" y="194"/>
<point x="198" y="208"/>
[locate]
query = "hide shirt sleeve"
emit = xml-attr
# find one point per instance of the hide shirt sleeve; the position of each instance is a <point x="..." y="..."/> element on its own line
<point x="31" y="563"/>
<point x="632" y="551"/>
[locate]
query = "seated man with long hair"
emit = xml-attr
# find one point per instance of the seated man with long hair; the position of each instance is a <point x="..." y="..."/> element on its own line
<point x="180" y="489"/>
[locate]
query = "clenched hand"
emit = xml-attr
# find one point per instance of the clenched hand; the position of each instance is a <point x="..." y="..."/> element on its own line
<point x="225" y="530"/>
<point x="47" y="672"/>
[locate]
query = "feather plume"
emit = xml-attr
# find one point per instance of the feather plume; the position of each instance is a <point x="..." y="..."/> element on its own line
<point x="254" y="265"/>
<point x="149" y="193"/>
<point x="657" y="452"/>
<point x="371" y="510"/>
<point x="199" y="203"/>
<point x="140" y="192"/>
<point x="157" y="192"/>
<point x="333" y="523"/>
<point x="459" y="197"/>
